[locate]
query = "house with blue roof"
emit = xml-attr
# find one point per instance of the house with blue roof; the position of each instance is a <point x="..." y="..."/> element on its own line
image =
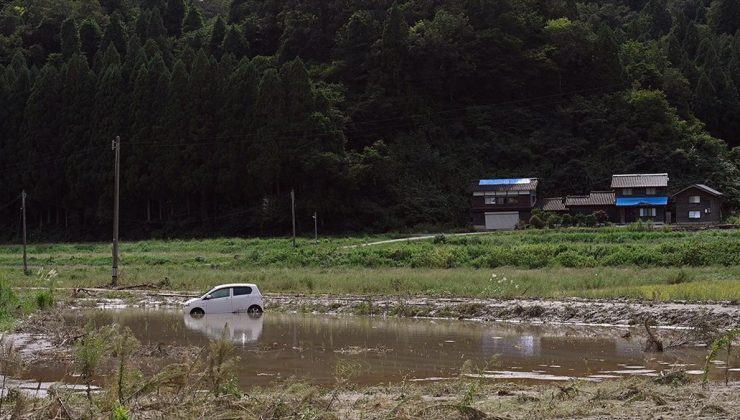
<point x="501" y="203"/>
<point x="641" y="197"/>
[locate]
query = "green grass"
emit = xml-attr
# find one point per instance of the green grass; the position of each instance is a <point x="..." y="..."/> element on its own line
<point x="595" y="263"/>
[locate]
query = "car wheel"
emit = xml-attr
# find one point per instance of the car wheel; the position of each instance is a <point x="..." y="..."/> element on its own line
<point x="197" y="313"/>
<point x="254" y="311"/>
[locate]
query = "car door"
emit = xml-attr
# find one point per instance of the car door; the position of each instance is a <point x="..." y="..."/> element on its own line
<point x="220" y="302"/>
<point x="242" y="299"/>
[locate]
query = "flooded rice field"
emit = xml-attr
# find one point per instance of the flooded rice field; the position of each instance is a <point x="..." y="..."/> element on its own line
<point x="309" y="347"/>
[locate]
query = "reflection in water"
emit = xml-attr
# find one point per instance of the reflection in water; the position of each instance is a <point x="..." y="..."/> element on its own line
<point x="277" y="346"/>
<point x="240" y="328"/>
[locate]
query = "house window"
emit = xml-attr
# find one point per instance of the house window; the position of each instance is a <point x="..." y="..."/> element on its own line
<point x="648" y="212"/>
<point x="707" y="210"/>
<point x="627" y="191"/>
<point x="490" y="200"/>
<point x="650" y="191"/>
<point x="694" y="199"/>
<point x="510" y="200"/>
<point x="694" y="215"/>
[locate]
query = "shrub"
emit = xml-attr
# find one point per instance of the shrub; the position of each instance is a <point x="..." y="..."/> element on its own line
<point x="44" y="299"/>
<point x="574" y="260"/>
<point x="590" y="220"/>
<point x="553" y="220"/>
<point x="536" y="222"/>
<point x="579" y="219"/>
<point x="601" y="216"/>
<point x="440" y="239"/>
<point x="567" y="220"/>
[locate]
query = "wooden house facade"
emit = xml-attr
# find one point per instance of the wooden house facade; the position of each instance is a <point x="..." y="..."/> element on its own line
<point x="500" y="204"/>
<point x="641" y="197"/>
<point x="697" y="203"/>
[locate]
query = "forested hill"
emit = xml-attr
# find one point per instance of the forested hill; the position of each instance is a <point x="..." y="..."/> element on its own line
<point x="377" y="113"/>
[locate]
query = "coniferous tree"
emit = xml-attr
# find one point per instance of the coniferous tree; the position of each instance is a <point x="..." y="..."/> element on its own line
<point x="725" y="16"/>
<point x="115" y="34"/>
<point x="142" y="24"/>
<point x="234" y="42"/>
<point x="90" y="37"/>
<point x="217" y="36"/>
<point x="42" y="129"/>
<point x="70" y="38"/>
<point x="156" y="28"/>
<point x="173" y="16"/>
<point x="392" y="54"/>
<point x="193" y="20"/>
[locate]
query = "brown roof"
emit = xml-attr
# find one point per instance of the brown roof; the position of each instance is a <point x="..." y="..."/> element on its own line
<point x="639" y="180"/>
<point x="523" y="186"/>
<point x="702" y="187"/>
<point x="552" y="204"/>
<point x="594" y="198"/>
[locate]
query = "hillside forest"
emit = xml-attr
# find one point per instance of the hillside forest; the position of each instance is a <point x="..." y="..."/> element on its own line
<point x="377" y="113"/>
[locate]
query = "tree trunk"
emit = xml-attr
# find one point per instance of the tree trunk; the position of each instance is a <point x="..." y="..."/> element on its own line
<point x="148" y="211"/>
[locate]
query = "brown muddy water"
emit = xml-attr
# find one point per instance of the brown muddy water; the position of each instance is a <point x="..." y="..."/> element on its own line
<point x="309" y="347"/>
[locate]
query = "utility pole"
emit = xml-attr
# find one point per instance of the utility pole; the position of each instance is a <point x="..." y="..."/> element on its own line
<point x="315" y="228"/>
<point x="23" y="210"/>
<point x="292" y="211"/>
<point x="117" y="148"/>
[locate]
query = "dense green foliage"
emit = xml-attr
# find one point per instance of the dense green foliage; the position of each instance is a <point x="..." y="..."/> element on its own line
<point x="377" y="113"/>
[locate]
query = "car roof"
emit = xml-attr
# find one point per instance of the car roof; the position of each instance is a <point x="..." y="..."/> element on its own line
<point x="234" y="285"/>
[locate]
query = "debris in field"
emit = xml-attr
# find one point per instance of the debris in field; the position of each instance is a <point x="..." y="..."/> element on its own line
<point x="653" y="344"/>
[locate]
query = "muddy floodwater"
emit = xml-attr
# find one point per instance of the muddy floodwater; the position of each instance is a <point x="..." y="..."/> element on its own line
<point x="309" y="347"/>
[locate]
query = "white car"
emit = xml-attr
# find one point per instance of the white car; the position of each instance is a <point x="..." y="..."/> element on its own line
<point x="226" y="299"/>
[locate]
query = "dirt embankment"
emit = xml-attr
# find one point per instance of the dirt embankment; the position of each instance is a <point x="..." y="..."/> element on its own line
<point x="718" y="315"/>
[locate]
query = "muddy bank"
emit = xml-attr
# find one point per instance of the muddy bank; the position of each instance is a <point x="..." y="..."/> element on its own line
<point x="717" y="315"/>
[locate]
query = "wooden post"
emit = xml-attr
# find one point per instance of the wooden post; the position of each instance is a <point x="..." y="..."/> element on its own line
<point x="117" y="148"/>
<point x="315" y="228"/>
<point x="23" y="210"/>
<point x="292" y="211"/>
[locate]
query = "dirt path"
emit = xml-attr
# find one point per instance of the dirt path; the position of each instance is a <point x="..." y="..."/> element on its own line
<point x="413" y="238"/>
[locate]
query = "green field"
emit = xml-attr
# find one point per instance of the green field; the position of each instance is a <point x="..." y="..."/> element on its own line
<point x="596" y="263"/>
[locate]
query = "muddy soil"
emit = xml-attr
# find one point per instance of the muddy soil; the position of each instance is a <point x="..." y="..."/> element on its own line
<point x="576" y="311"/>
<point x="718" y="315"/>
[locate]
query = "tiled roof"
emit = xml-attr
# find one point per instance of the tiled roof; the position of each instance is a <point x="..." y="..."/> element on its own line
<point x="702" y="187"/>
<point x="639" y="180"/>
<point x="594" y="198"/>
<point x="552" y="204"/>
<point x="512" y="184"/>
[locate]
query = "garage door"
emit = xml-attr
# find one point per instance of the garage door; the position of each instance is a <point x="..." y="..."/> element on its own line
<point x="502" y="221"/>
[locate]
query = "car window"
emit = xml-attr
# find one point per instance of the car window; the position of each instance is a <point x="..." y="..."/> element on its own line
<point x="238" y="291"/>
<point x="220" y="293"/>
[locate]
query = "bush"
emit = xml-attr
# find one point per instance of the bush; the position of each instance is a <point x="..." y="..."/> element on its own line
<point x="536" y="222"/>
<point x="44" y="299"/>
<point x="567" y="220"/>
<point x="553" y="220"/>
<point x="601" y="216"/>
<point x="572" y="259"/>
<point x="440" y="239"/>
<point x="590" y="220"/>
<point x="579" y="219"/>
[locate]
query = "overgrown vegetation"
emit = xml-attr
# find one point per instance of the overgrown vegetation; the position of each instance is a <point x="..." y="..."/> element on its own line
<point x="594" y="263"/>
